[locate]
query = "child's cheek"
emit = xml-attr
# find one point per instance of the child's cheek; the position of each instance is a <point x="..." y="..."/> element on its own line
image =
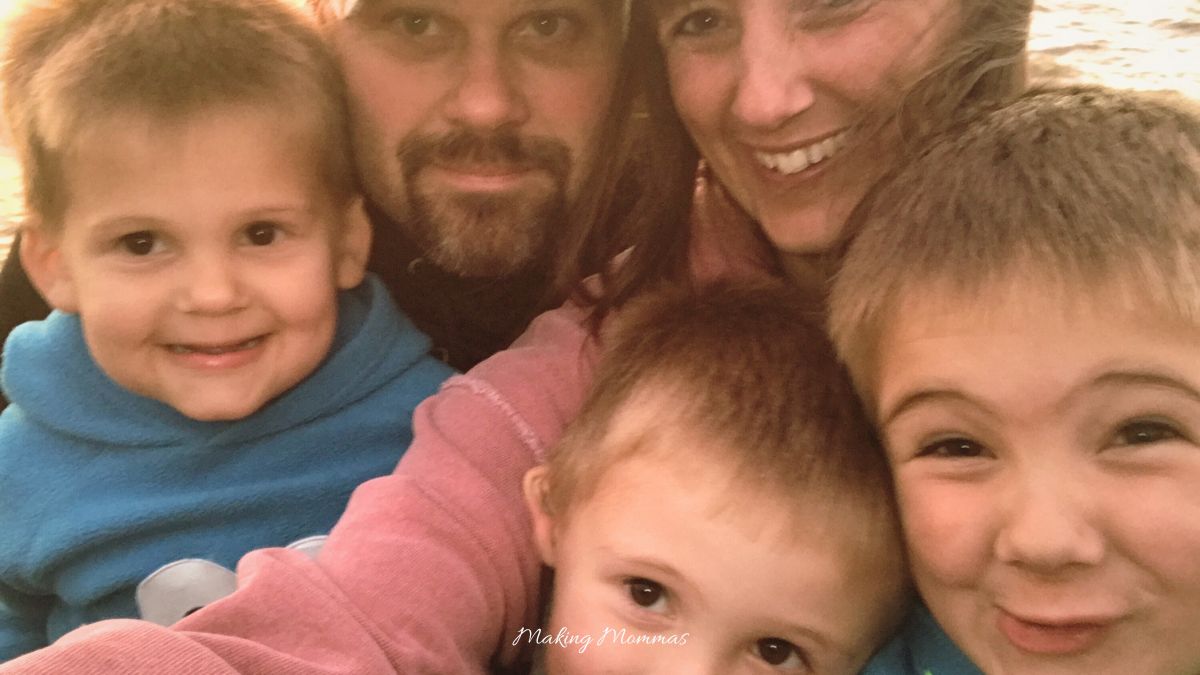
<point x="945" y="528"/>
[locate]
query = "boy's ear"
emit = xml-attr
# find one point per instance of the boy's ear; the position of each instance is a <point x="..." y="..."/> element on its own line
<point x="41" y="256"/>
<point x="535" y="486"/>
<point x="352" y="247"/>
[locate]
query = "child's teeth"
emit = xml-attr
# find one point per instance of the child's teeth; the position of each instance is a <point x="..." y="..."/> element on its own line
<point x="215" y="351"/>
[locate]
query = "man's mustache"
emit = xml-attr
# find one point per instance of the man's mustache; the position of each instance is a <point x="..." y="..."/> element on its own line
<point x="465" y="146"/>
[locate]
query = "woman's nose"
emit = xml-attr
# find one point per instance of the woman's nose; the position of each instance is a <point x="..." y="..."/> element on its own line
<point x="774" y="85"/>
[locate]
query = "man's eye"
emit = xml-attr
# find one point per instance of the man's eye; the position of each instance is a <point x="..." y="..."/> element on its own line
<point x="138" y="243"/>
<point x="261" y="233"/>
<point x="952" y="448"/>
<point x="548" y="24"/>
<point x="1145" y="432"/>
<point x="647" y="593"/>
<point x="781" y="653"/>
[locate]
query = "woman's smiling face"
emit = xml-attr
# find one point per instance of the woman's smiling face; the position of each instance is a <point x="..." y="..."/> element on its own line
<point x="775" y="92"/>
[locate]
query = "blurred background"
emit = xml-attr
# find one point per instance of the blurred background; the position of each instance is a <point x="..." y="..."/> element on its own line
<point x="1140" y="44"/>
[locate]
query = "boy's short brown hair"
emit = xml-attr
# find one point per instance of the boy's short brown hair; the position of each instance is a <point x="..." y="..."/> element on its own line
<point x="68" y="63"/>
<point x="747" y="370"/>
<point x="1078" y="190"/>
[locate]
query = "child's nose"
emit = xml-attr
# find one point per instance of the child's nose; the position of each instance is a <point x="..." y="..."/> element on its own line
<point x="1048" y="526"/>
<point x="210" y="285"/>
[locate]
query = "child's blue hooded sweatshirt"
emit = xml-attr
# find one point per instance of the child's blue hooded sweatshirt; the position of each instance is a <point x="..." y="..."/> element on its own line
<point x="100" y="487"/>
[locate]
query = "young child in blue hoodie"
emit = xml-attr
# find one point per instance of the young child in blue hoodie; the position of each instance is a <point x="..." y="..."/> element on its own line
<point x="218" y="375"/>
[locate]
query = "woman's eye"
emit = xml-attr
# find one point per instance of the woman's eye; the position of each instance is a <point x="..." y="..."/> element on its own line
<point x="1145" y="432"/>
<point x="417" y="24"/>
<point x="780" y="652"/>
<point x="138" y="243"/>
<point x="647" y="593"/>
<point x="952" y="448"/>
<point x="701" y="22"/>
<point x="262" y="233"/>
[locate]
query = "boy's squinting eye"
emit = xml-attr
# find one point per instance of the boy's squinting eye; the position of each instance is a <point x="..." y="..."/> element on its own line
<point x="646" y="593"/>
<point x="780" y="652"/>
<point x="1145" y="432"/>
<point x="957" y="447"/>
<point x="138" y="243"/>
<point x="261" y="233"/>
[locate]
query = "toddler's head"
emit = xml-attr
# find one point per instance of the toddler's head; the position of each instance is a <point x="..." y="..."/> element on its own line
<point x="720" y="504"/>
<point x="1021" y="310"/>
<point x="190" y="191"/>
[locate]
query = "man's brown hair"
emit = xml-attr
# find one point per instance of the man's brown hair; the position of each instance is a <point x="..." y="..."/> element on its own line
<point x="1089" y="192"/>
<point x="743" y="369"/>
<point x="68" y="63"/>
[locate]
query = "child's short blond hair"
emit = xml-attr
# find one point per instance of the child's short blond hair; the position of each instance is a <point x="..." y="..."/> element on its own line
<point x="1083" y="191"/>
<point x="747" y="370"/>
<point x="69" y="63"/>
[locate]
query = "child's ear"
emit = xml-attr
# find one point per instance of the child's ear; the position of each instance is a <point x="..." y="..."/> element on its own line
<point x="41" y="256"/>
<point x="535" y="486"/>
<point x="352" y="247"/>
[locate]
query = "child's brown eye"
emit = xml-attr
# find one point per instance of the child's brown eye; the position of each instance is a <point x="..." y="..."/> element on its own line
<point x="780" y="652"/>
<point x="261" y="234"/>
<point x="1144" y="432"/>
<point x="953" y="448"/>
<point x="138" y="243"/>
<point x="644" y="592"/>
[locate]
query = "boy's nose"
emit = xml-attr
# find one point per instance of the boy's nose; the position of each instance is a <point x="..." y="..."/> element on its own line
<point x="1048" y="527"/>
<point x="210" y="285"/>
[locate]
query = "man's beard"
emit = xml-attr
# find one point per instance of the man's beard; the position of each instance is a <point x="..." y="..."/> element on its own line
<point x="486" y="234"/>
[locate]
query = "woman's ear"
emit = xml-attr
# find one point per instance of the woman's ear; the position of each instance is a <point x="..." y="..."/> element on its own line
<point x="352" y="246"/>
<point x="41" y="256"/>
<point x="535" y="486"/>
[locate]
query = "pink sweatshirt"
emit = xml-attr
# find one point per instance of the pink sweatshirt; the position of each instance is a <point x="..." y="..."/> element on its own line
<point x="431" y="569"/>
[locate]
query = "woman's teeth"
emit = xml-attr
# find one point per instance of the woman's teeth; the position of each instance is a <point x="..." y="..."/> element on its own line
<point x="218" y="350"/>
<point x="798" y="160"/>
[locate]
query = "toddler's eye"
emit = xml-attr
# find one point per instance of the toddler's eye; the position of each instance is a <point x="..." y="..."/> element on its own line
<point x="646" y="593"/>
<point x="1145" y="432"/>
<point x="138" y="243"/>
<point x="952" y="448"/>
<point x="780" y="652"/>
<point x="262" y="233"/>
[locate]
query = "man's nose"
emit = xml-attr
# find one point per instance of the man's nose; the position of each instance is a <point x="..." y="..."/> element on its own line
<point x="490" y="91"/>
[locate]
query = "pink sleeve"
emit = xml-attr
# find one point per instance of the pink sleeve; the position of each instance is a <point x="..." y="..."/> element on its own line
<point x="431" y="569"/>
